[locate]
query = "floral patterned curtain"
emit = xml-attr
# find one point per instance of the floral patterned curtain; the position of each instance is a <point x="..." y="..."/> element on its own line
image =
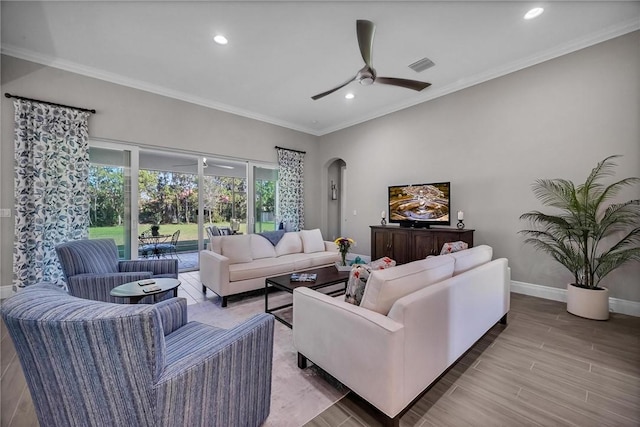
<point x="51" y="180"/>
<point x="291" y="188"/>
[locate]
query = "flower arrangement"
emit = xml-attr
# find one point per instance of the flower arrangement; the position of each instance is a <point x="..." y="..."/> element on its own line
<point x="344" y="244"/>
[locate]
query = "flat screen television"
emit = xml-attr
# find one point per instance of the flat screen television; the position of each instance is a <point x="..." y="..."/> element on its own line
<point x="420" y="205"/>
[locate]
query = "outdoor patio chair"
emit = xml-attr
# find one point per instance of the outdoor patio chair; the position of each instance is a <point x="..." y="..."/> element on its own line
<point x="91" y="269"/>
<point x="100" y="364"/>
<point x="144" y="247"/>
<point x="171" y="247"/>
<point x="212" y="231"/>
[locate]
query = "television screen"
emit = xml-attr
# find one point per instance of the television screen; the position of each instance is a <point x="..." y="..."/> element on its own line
<point x="420" y="205"/>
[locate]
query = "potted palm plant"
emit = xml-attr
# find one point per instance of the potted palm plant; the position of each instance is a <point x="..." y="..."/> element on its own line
<point x="590" y="236"/>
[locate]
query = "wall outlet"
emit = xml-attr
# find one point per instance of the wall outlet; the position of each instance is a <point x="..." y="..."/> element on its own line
<point x="5" y="213"/>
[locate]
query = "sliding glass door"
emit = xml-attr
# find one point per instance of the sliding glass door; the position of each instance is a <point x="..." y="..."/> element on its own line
<point x="224" y="187"/>
<point x="138" y="191"/>
<point x="110" y="191"/>
<point x="265" y="181"/>
<point x="168" y="203"/>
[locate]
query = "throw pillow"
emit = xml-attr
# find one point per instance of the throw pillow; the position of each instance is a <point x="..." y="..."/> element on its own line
<point x="215" y="244"/>
<point x="237" y="248"/>
<point x="451" y="247"/>
<point x="261" y="247"/>
<point x="312" y="241"/>
<point x="381" y="263"/>
<point x="358" y="278"/>
<point x="289" y="244"/>
<point x="356" y="284"/>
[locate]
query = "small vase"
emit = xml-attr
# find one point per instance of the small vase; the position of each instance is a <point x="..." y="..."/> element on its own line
<point x="344" y="258"/>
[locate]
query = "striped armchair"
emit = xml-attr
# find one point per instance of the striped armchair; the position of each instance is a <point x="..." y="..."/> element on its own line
<point x="102" y="364"/>
<point x="91" y="269"/>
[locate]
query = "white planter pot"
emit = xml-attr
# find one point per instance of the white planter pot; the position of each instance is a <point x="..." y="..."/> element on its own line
<point x="588" y="303"/>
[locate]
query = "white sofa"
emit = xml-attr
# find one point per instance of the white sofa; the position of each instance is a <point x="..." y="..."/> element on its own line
<point x="241" y="263"/>
<point x="419" y="319"/>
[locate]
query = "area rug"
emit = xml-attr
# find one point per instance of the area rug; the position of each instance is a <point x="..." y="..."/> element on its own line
<point x="297" y="395"/>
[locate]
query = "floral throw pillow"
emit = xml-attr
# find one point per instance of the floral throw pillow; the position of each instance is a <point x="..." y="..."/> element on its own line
<point x="382" y="263"/>
<point x="450" y="247"/>
<point x="358" y="278"/>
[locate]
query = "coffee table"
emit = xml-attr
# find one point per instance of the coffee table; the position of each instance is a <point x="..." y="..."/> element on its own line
<point x="135" y="292"/>
<point x="327" y="276"/>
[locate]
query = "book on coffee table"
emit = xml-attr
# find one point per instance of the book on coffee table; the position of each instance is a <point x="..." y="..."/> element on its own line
<point x="304" y="277"/>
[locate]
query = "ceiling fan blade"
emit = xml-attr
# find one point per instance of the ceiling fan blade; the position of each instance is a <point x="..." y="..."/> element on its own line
<point x="323" y="94"/>
<point x="365" y="30"/>
<point x="409" y="84"/>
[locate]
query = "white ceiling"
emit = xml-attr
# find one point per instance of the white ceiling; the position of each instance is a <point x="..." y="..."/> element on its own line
<point x="281" y="53"/>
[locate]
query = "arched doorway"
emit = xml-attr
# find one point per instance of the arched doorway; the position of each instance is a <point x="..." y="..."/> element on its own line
<point x="336" y="176"/>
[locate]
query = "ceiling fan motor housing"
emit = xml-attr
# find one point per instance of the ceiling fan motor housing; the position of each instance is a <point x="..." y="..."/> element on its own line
<point x="366" y="76"/>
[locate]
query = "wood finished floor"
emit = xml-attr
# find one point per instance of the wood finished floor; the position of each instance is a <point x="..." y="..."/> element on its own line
<point x="546" y="368"/>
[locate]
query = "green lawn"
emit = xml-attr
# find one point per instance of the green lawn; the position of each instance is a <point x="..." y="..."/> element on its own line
<point x="188" y="232"/>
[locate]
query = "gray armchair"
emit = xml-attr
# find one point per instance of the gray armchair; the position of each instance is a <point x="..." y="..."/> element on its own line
<point x="102" y="364"/>
<point x="91" y="269"/>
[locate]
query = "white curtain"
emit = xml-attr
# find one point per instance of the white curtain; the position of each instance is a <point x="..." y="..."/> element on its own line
<point x="291" y="188"/>
<point x="51" y="180"/>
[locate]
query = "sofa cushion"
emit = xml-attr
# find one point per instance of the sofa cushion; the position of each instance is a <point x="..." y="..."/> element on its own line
<point x="265" y="267"/>
<point x="289" y="244"/>
<point x="384" y="287"/>
<point x="471" y="258"/>
<point x="237" y="248"/>
<point x="316" y="259"/>
<point x="312" y="241"/>
<point x="261" y="247"/>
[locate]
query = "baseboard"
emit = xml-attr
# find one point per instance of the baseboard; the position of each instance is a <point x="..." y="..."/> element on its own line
<point x="616" y="305"/>
<point x="546" y="292"/>
<point x="6" y="291"/>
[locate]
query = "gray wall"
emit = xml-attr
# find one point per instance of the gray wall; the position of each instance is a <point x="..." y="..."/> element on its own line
<point x="556" y="119"/>
<point x="135" y="116"/>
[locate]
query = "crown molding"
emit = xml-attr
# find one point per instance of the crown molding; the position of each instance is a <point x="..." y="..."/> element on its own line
<point x="433" y="93"/>
<point x="564" y="49"/>
<point x="95" y="73"/>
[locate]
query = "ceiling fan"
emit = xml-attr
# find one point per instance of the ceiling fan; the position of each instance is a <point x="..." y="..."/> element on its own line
<point x="367" y="74"/>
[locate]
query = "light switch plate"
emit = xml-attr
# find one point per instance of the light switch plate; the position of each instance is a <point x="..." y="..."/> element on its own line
<point x="5" y="213"/>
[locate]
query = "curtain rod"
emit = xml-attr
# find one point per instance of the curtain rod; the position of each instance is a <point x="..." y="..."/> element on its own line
<point x="290" y="149"/>
<point x="8" y="95"/>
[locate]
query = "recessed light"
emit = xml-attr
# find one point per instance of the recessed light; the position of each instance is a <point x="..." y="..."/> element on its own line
<point x="534" y="13"/>
<point x="220" y="39"/>
<point x="349" y="96"/>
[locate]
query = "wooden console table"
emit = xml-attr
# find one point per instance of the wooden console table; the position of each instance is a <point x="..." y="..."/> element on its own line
<point x="404" y="244"/>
